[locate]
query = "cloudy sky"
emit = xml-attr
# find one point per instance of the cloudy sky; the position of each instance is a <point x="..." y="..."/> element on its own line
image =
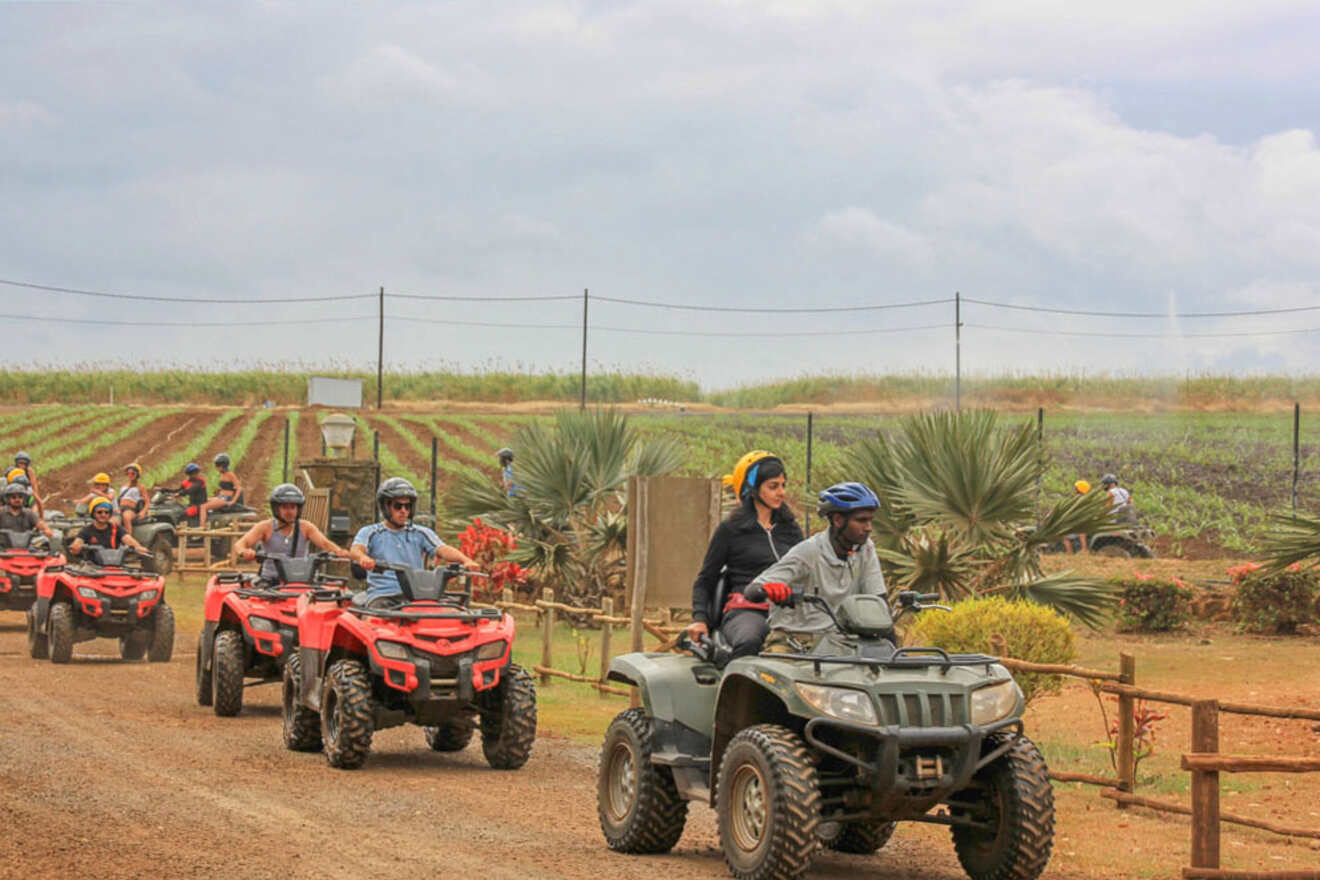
<point x="1119" y="157"/>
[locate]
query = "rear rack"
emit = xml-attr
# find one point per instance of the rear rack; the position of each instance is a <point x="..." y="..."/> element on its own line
<point x="464" y="616"/>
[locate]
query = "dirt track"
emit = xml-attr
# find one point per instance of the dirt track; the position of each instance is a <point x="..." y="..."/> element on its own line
<point x="109" y="769"/>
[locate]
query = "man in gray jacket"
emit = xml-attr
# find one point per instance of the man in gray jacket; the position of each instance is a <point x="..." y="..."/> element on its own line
<point x="833" y="564"/>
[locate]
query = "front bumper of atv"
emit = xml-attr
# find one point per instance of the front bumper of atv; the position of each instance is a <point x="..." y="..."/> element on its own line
<point x="433" y="685"/>
<point x="909" y="769"/>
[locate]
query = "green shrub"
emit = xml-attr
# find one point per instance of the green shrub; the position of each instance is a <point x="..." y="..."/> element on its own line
<point x="1022" y="630"/>
<point x="1150" y="604"/>
<point x="1275" y="602"/>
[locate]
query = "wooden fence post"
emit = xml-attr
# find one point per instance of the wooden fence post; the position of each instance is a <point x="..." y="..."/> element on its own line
<point x="547" y="633"/>
<point x="507" y="596"/>
<point x="1127" y="706"/>
<point x="1205" y="787"/>
<point x="606" y="631"/>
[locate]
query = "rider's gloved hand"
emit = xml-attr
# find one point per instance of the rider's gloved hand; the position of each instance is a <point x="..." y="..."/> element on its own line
<point x="777" y="592"/>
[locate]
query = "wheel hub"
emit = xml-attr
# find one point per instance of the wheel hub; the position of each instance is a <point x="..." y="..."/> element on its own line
<point x="623" y="782"/>
<point x="748" y="807"/>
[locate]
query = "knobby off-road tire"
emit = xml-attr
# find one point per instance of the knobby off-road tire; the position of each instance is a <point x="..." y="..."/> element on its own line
<point x="227" y="664"/>
<point x="1016" y="789"/>
<point x="862" y="838"/>
<point x="134" y="645"/>
<point x="38" y="643"/>
<point x="162" y="636"/>
<point x="639" y="808"/>
<point x="768" y="804"/>
<point x="346" y="715"/>
<point x="508" y="726"/>
<point x="452" y="736"/>
<point x="202" y="678"/>
<point x="60" y="632"/>
<point x="162" y="554"/>
<point x="302" y="726"/>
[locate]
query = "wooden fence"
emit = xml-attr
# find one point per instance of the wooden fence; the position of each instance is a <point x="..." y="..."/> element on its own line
<point x="1204" y="762"/>
<point x="185" y="557"/>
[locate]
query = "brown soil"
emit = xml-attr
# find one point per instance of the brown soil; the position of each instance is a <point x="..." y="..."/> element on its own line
<point x="267" y="445"/>
<point x="309" y="437"/>
<point x="67" y="484"/>
<point x="490" y="464"/>
<point x="111" y="770"/>
<point x="418" y="464"/>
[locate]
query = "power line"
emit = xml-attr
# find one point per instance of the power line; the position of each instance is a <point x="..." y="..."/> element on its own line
<point x="482" y="298"/>
<point x="182" y="299"/>
<point x="643" y="331"/>
<point x="770" y="309"/>
<point x="1140" y="335"/>
<point x="1097" y="314"/>
<point x="251" y="325"/>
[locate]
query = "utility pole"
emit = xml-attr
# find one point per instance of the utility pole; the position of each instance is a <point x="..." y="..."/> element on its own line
<point x="380" y="352"/>
<point x="582" y="402"/>
<point x="957" y="351"/>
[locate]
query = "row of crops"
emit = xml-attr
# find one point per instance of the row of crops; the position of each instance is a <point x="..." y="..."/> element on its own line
<point x="1197" y="479"/>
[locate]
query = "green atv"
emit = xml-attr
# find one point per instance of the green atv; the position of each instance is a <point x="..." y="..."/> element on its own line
<point x="828" y="748"/>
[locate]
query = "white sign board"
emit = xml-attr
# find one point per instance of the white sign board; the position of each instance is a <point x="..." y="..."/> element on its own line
<point x="339" y="393"/>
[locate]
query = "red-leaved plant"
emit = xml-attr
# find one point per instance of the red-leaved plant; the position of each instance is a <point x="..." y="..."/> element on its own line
<point x="489" y="545"/>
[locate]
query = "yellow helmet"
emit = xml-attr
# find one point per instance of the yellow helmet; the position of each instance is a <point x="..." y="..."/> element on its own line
<point x="1082" y="487"/>
<point x="100" y="502"/>
<point x="738" y="478"/>
<point x="133" y="466"/>
<point x="15" y="472"/>
<point x="102" y="477"/>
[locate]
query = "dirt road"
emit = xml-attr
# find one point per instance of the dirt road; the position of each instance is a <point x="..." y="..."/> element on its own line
<point x="108" y="769"/>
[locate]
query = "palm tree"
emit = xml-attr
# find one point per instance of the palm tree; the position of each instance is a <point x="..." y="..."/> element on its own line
<point x="958" y="513"/>
<point x="570" y="517"/>
<point x="1293" y="539"/>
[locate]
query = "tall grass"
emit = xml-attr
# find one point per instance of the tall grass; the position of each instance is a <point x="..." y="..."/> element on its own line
<point x="288" y="385"/>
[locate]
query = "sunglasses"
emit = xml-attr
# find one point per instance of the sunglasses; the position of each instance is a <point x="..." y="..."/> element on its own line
<point x="401" y="505"/>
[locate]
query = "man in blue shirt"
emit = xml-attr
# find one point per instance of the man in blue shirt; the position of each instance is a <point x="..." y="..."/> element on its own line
<point x="395" y="539"/>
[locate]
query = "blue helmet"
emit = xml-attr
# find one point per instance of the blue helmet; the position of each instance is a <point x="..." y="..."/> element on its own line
<point x="191" y="467"/>
<point x="845" y="498"/>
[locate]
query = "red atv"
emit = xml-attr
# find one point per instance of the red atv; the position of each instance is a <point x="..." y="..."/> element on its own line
<point x="21" y="559"/>
<point x="433" y="661"/>
<point x="251" y="628"/>
<point x="105" y="597"/>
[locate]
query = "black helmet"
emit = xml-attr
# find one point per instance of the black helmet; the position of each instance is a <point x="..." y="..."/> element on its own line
<point x="505" y="455"/>
<point x="191" y="467"/>
<point x="287" y="493"/>
<point x="22" y="458"/>
<point x="1109" y="480"/>
<point x="394" y="487"/>
<point x="14" y="489"/>
<point x="222" y="461"/>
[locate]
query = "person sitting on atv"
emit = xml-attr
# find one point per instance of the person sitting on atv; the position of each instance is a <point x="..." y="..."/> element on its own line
<point x="834" y="564"/>
<point x="131" y="500"/>
<point x="1120" y="499"/>
<point x="287" y="534"/>
<point x="23" y="462"/>
<point x="510" y="487"/>
<point x="396" y="539"/>
<point x="755" y="536"/>
<point x="100" y="489"/>
<point x="229" y="488"/>
<point x="101" y="532"/>
<point x="193" y="487"/>
<point x="18" y="477"/>
<point x="16" y="516"/>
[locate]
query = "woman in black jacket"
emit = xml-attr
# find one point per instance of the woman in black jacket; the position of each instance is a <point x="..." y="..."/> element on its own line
<point x="749" y="541"/>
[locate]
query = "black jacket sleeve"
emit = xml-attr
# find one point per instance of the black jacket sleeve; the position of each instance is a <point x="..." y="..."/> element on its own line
<point x="703" y="588"/>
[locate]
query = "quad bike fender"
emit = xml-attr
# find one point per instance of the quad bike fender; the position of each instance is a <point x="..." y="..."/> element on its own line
<point x="47" y="585"/>
<point x="674" y="687"/>
<point x="147" y="532"/>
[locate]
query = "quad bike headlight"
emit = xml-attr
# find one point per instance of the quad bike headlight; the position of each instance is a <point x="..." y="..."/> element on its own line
<point x="148" y="595"/>
<point x="989" y="704"/>
<point x="491" y="650"/>
<point x="87" y="592"/>
<point x="264" y="624"/>
<point x="845" y="704"/>
<point x="392" y="650"/>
